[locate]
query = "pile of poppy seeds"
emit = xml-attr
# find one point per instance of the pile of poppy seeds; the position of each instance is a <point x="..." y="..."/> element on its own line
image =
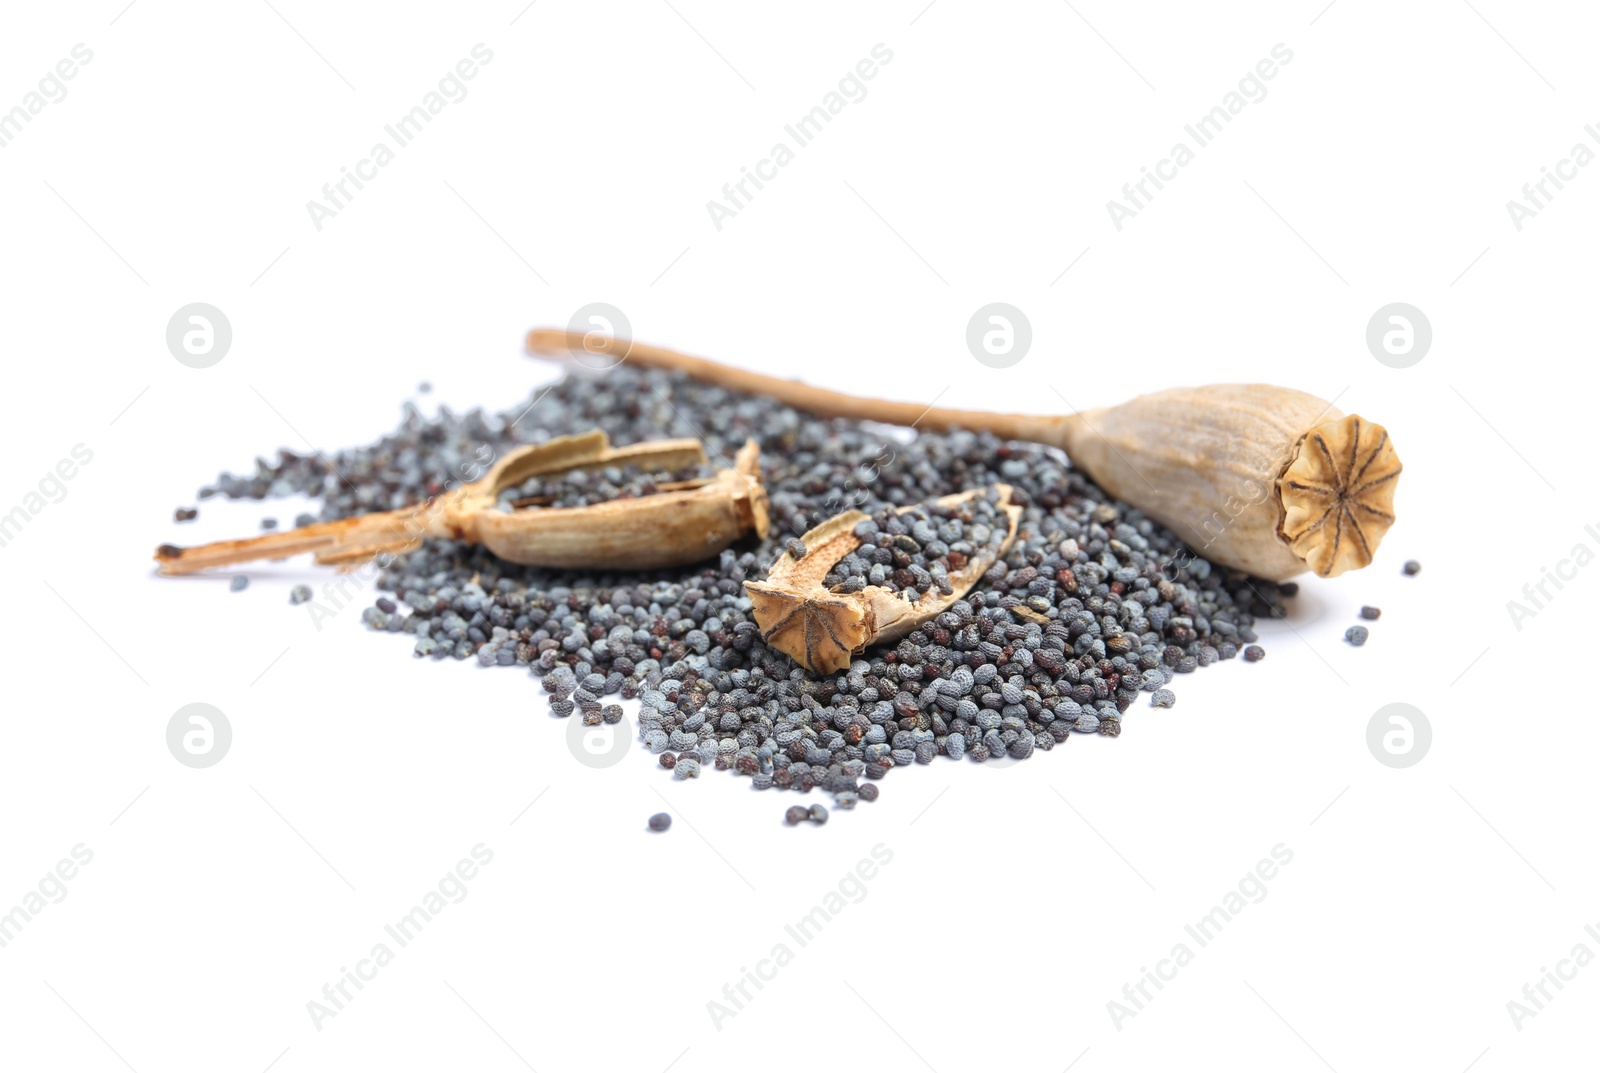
<point x="1092" y="604"/>
<point x="915" y="551"/>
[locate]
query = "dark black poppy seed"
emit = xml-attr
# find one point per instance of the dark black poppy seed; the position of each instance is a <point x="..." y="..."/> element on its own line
<point x="796" y="814"/>
<point x="1371" y="613"/>
<point x="1412" y="568"/>
<point x="1254" y="653"/>
<point x="660" y="821"/>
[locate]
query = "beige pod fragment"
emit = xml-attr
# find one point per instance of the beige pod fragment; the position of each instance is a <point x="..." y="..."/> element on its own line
<point x="821" y="629"/>
<point x="684" y="522"/>
<point x="1264" y="479"/>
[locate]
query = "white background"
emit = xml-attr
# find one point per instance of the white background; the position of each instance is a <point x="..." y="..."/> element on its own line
<point x="1019" y="901"/>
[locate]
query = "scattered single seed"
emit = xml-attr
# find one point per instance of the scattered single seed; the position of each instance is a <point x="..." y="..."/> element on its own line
<point x="796" y="814"/>
<point x="1412" y="568"/>
<point x="1163" y="698"/>
<point x="300" y="594"/>
<point x="818" y="814"/>
<point x="1356" y="635"/>
<point x="1254" y="653"/>
<point x="239" y="583"/>
<point x="269" y="523"/>
<point x="1370" y="613"/>
<point x="185" y="514"/>
<point x="660" y="821"/>
<point x="868" y="791"/>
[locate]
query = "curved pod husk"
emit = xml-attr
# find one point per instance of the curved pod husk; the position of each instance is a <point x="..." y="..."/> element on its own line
<point x="820" y="629"/>
<point x="665" y="529"/>
<point x="671" y="528"/>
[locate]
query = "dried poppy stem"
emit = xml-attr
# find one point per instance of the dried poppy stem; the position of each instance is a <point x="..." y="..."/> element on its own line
<point x="684" y="524"/>
<point x="1263" y="479"/>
